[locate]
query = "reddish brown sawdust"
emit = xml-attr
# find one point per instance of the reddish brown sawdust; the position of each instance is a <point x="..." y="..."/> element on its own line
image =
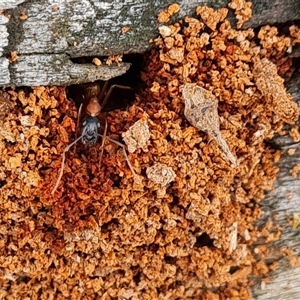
<point x="125" y="29"/>
<point x="101" y="233"/>
<point x="114" y="59"/>
<point x="23" y="16"/>
<point x="165" y="15"/>
<point x="13" y="57"/>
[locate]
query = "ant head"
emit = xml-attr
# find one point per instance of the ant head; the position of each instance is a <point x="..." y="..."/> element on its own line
<point x="90" y="128"/>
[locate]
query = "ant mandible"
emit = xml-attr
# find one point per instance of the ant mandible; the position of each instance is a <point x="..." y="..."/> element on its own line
<point x="91" y="124"/>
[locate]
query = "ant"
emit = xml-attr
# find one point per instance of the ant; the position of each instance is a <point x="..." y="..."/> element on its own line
<point x="90" y="125"/>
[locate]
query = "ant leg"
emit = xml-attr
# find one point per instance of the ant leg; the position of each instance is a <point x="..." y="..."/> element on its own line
<point x="124" y="151"/>
<point x="61" y="171"/>
<point x="103" y="140"/>
<point x="78" y="123"/>
<point x="103" y="90"/>
<point x="124" y="87"/>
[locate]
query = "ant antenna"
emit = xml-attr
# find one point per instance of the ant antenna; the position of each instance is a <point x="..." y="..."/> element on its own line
<point x="103" y="141"/>
<point x="78" y="122"/>
<point x="63" y="164"/>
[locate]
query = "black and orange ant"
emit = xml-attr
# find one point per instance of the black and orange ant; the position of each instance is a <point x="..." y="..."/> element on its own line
<point x="91" y="124"/>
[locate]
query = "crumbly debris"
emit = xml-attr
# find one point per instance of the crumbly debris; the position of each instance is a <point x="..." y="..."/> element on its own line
<point x="160" y="174"/>
<point x="270" y="84"/>
<point x="165" y="31"/>
<point x="291" y="151"/>
<point x="13" y="56"/>
<point x="125" y="29"/>
<point x="137" y="136"/>
<point x="294" y="261"/>
<point x="233" y="237"/>
<point x="295" y="33"/>
<point x="295" y="171"/>
<point x="23" y="16"/>
<point x="242" y="10"/>
<point x="294" y="133"/>
<point x="4" y="104"/>
<point x="96" y="61"/>
<point x="117" y="59"/>
<point x="210" y="17"/>
<point x="164" y="16"/>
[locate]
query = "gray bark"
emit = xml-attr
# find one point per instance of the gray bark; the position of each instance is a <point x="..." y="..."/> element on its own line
<point x="94" y="28"/>
<point x="283" y="202"/>
<point x="10" y="3"/>
<point x="60" y="71"/>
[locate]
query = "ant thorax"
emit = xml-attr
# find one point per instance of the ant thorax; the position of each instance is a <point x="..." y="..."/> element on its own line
<point x="90" y="128"/>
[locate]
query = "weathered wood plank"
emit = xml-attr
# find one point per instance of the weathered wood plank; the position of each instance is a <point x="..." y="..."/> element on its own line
<point x="60" y="71"/>
<point x="283" y="202"/>
<point x="5" y="75"/>
<point x="271" y="12"/>
<point x="3" y="33"/>
<point x="92" y="28"/>
<point x="85" y="28"/>
<point x="6" y="4"/>
<point x="284" y="286"/>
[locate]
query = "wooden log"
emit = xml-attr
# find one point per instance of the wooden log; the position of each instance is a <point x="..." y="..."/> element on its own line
<point x="87" y="28"/>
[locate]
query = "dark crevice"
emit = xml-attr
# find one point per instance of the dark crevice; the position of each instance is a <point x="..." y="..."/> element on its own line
<point x="2" y="183"/>
<point x="107" y="226"/>
<point x="233" y="269"/>
<point x="169" y="259"/>
<point x="204" y="240"/>
<point x="119" y="98"/>
<point x="23" y="278"/>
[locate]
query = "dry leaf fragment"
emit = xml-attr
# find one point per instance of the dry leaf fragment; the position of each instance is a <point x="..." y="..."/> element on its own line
<point x="201" y="110"/>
